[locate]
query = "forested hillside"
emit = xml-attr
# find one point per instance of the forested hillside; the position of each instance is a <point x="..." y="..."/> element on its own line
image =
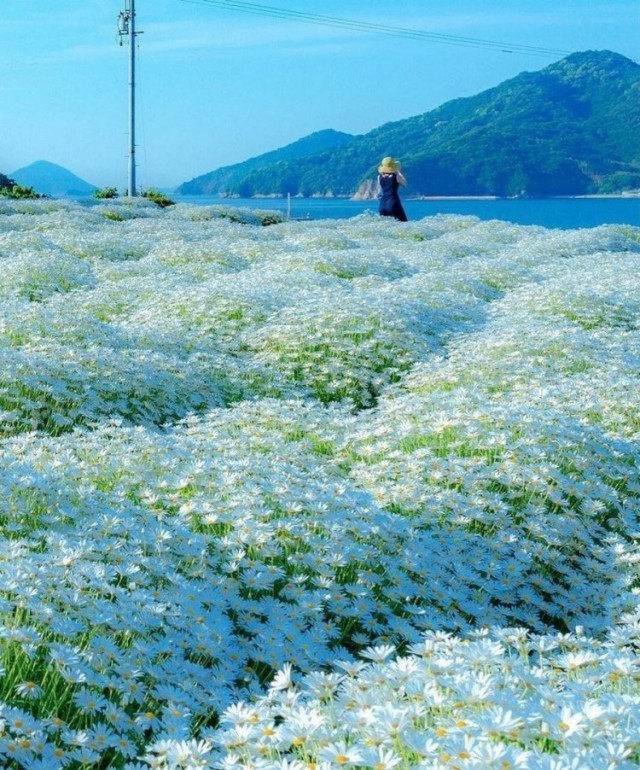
<point x="565" y="130"/>
<point x="233" y="179"/>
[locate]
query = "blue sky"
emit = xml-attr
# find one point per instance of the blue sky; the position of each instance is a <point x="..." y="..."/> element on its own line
<point x="217" y="86"/>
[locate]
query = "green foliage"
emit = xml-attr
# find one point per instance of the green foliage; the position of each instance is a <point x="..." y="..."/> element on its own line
<point x="563" y="130"/>
<point x="246" y="216"/>
<point x="623" y="180"/>
<point x="105" y="193"/>
<point x="18" y="191"/>
<point x="269" y="217"/>
<point x="113" y="216"/>
<point x="158" y="198"/>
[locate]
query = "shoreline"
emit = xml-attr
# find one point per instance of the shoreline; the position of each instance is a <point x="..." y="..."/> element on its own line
<point x="635" y="195"/>
<point x="616" y="196"/>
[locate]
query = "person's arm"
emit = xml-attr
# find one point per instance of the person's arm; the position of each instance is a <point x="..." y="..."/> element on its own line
<point x="401" y="178"/>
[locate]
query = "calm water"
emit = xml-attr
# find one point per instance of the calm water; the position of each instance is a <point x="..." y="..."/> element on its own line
<point x="564" y="213"/>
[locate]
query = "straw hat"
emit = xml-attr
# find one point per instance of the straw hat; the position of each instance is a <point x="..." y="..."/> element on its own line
<point x="389" y="166"/>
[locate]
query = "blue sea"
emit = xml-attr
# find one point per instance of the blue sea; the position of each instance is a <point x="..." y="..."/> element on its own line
<point x="563" y="213"/>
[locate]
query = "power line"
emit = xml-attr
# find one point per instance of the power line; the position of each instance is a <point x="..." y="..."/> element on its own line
<point x="383" y="29"/>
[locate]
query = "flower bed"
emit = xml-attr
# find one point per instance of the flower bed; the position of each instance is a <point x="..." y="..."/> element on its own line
<point x="317" y="494"/>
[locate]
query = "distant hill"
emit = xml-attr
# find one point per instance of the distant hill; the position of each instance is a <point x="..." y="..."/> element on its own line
<point x="232" y="180"/>
<point x="569" y="129"/>
<point x="51" y="179"/>
<point x="5" y="181"/>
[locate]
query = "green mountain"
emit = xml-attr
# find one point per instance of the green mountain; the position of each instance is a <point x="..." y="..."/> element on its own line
<point x="232" y="179"/>
<point x="51" y="179"/>
<point x="568" y="129"/>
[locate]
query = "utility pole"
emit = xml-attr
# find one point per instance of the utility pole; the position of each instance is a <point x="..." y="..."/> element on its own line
<point x="127" y="27"/>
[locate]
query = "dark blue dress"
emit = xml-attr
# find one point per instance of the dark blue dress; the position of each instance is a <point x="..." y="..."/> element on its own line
<point x="390" y="205"/>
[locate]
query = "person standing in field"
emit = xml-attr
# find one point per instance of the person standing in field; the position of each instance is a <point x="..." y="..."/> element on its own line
<point x="389" y="180"/>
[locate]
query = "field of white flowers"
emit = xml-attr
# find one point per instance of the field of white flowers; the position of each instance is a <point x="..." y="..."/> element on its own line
<point x="345" y="493"/>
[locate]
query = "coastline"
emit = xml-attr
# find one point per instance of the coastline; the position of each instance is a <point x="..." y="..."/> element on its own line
<point x="635" y="195"/>
<point x="451" y="198"/>
<point x="631" y="194"/>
